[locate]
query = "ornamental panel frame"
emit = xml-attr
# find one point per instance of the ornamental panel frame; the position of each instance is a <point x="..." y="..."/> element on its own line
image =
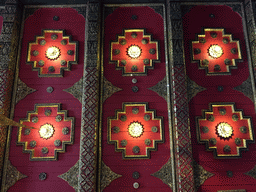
<point x="232" y="63"/>
<point x="63" y="143"/>
<point x="65" y="66"/>
<point x="123" y="111"/>
<point x="209" y="143"/>
<point x="150" y="63"/>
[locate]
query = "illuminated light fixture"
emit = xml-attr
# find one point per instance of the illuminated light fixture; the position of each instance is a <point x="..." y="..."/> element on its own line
<point x="134" y="51"/>
<point x="135" y="129"/>
<point x="52" y="53"/>
<point x="224" y="130"/>
<point x="215" y="51"/>
<point x="46" y="131"/>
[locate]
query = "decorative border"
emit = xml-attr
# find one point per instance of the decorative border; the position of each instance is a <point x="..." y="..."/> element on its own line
<point x="234" y="61"/>
<point x="64" y="143"/>
<point x="35" y="42"/>
<point x="146" y="67"/>
<point x="154" y="117"/>
<point x="214" y="149"/>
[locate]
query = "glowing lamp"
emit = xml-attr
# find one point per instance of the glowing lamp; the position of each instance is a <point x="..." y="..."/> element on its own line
<point x="215" y="51"/>
<point x="224" y="130"/>
<point x="135" y="129"/>
<point x="46" y="131"/>
<point x="53" y="53"/>
<point x="134" y="51"/>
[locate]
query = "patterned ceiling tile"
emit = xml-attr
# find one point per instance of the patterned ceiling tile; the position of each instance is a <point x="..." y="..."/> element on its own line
<point x="22" y="90"/>
<point x="51" y="131"/>
<point x="109" y="89"/>
<point x="193" y="88"/>
<point x="76" y="90"/>
<point x="246" y="89"/>
<point x="200" y="174"/>
<point x="107" y="176"/>
<point x="216" y="51"/>
<point x="134" y="52"/>
<point x="71" y="176"/>
<point x="165" y="173"/>
<point x="160" y="88"/>
<point x="12" y="176"/>
<point x="224" y="130"/>
<point x="135" y="131"/>
<point x="52" y="53"/>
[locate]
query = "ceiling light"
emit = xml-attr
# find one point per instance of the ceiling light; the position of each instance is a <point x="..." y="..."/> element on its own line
<point x="135" y="129"/>
<point x="46" y="131"/>
<point x="134" y="51"/>
<point x="53" y="53"/>
<point x="215" y="51"/>
<point x="224" y="130"/>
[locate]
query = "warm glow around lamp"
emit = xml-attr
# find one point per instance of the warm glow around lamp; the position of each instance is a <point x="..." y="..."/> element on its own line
<point x="224" y="130"/>
<point x="134" y="51"/>
<point x="135" y="129"/>
<point x="46" y="131"/>
<point x="215" y="51"/>
<point x="53" y="53"/>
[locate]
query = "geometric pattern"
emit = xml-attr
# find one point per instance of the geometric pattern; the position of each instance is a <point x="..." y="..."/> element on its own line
<point x="200" y="174"/>
<point x="87" y="168"/>
<point x="246" y="88"/>
<point x="224" y="130"/>
<point x="252" y="172"/>
<point x="39" y="147"/>
<point x="120" y="130"/>
<point x="22" y="91"/>
<point x="76" y="90"/>
<point x="108" y="89"/>
<point x="149" y="52"/>
<point x="160" y="88"/>
<point x="193" y="88"/>
<point x="52" y="53"/>
<point x="165" y="173"/>
<point x="71" y="176"/>
<point x="12" y="176"/>
<point x="216" y="51"/>
<point x="107" y="176"/>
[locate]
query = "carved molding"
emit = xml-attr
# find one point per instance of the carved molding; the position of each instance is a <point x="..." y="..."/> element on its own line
<point x="200" y="174"/>
<point x="109" y="89"/>
<point x="71" y="176"/>
<point x="193" y="88"/>
<point x="76" y="90"/>
<point x="160" y="88"/>
<point x="246" y="88"/>
<point x="22" y="90"/>
<point x="107" y="176"/>
<point x="12" y="176"/>
<point x="165" y="173"/>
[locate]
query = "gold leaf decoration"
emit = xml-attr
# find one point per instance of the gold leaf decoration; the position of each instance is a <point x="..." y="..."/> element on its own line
<point x="108" y="89"/>
<point x="12" y="176"/>
<point x="246" y="88"/>
<point x="200" y="174"/>
<point x="76" y="90"/>
<point x="107" y="176"/>
<point x="22" y="90"/>
<point x="160" y="88"/>
<point x="193" y="88"/>
<point x="165" y="173"/>
<point x="71" y="176"/>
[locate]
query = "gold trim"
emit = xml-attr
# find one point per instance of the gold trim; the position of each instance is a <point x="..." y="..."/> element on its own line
<point x="35" y="42"/>
<point x="123" y="149"/>
<point x="234" y="65"/>
<point x="35" y="112"/>
<point x="206" y="141"/>
<point x="146" y="67"/>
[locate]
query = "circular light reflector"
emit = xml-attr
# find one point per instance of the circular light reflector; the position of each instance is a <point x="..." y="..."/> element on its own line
<point x="224" y="130"/>
<point x="134" y="51"/>
<point x="215" y="51"/>
<point x="135" y="129"/>
<point x="46" y="131"/>
<point x="53" y="53"/>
